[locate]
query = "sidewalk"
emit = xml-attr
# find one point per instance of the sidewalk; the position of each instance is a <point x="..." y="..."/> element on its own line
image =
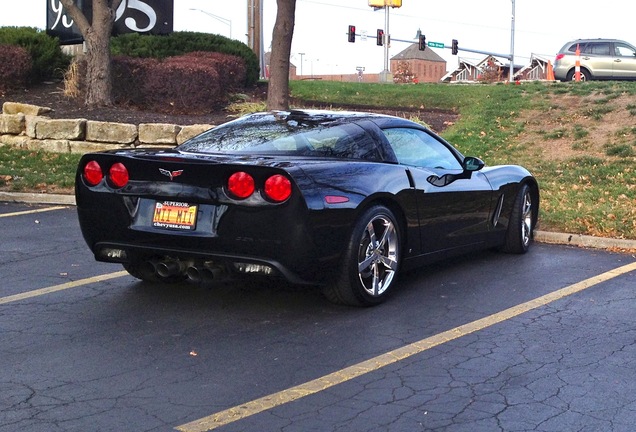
<point x="578" y="240"/>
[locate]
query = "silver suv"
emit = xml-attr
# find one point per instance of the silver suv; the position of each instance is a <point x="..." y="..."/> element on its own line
<point x="600" y="59"/>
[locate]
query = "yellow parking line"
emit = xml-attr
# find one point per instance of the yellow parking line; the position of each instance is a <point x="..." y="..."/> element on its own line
<point x="26" y="212"/>
<point x="289" y="395"/>
<point x="62" y="287"/>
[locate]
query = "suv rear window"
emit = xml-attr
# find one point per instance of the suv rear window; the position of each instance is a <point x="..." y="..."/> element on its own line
<point x="594" y="48"/>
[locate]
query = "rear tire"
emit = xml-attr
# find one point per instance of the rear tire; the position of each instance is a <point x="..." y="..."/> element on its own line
<point x="585" y="75"/>
<point x="371" y="260"/>
<point x="521" y="223"/>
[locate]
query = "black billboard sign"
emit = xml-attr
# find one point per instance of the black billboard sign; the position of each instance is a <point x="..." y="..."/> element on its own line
<point x="140" y="16"/>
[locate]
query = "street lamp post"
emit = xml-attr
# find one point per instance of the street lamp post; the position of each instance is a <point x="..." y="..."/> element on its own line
<point x="216" y="17"/>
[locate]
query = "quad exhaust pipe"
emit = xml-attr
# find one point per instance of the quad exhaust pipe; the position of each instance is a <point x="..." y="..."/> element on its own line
<point x="195" y="271"/>
<point x="204" y="273"/>
<point x="169" y="268"/>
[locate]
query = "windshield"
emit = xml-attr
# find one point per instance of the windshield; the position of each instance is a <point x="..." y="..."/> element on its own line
<point x="285" y="134"/>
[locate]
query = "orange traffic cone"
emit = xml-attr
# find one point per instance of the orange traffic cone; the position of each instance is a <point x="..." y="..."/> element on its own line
<point x="577" y="64"/>
<point x="549" y="74"/>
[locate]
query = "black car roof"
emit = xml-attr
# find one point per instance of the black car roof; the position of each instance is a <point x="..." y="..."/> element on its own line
<point x="332" y="116"/>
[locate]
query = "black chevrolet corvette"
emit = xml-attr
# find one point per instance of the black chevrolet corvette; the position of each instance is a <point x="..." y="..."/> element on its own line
<point x="339" y="199"/>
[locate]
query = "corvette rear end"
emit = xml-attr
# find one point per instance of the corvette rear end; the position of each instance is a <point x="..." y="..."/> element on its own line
<point x="168" y="216"/>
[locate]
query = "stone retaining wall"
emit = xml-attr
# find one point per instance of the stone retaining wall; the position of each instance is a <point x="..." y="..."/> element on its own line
<point x="27" y="127"/>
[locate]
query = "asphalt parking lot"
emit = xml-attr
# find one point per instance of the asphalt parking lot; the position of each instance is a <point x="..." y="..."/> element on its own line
<point x="489" y="342"/>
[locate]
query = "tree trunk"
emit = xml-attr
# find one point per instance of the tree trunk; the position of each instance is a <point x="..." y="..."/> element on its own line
<point x="98" y="74"/>
<point x="97" y="39"/>
<point x="278" y="88"/>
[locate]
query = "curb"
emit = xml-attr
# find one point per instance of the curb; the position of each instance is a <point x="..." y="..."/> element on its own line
<point x="584" y="241"/>
<point x="579" y="240"/>
<point x="37" y="198"/>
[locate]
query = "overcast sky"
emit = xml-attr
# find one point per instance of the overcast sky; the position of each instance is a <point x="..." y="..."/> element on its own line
<point x="541" y="26"/>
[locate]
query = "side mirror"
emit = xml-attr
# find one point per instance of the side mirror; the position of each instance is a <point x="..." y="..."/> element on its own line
<point x="473" y="164"/>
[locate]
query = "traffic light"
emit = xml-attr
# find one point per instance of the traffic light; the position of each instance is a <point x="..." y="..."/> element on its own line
<point x="351" y="35"/>
<point x="454" y="47"/>
<point x="422" y="42"/>
<point x="380" y="37"/>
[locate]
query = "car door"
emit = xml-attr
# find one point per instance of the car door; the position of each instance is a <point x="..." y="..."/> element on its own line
<point x="624" y="61"/>
<point x="453" y="204"/>
<point x="597" y="57"/>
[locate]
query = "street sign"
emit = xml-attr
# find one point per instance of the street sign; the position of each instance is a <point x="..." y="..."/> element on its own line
<point x="436" y="45"/>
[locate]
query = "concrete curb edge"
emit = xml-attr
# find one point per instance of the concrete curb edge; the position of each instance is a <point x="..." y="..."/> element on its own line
<point x="585" y="241"/>
<point x="37" y="198"/>
<point x="578" y="240"/>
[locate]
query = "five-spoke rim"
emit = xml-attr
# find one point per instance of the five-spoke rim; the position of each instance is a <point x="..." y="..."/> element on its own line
<point x="378" y="255"/>
<point x="526" y="219"/>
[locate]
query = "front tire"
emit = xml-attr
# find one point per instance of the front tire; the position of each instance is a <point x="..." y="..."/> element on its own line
<point x="371" y="261"/>
<point x="521" y="223"/>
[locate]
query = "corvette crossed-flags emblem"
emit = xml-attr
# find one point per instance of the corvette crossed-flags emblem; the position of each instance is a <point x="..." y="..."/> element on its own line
<point x="171" y="174"/>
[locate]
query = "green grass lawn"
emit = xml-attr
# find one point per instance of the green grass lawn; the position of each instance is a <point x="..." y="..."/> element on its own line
<point x="589" y="189"/>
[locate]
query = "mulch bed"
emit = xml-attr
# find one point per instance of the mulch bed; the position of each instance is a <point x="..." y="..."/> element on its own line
<point x="52" y="95"/>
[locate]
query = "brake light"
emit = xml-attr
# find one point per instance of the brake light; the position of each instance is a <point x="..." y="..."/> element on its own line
<point x="118" y="175"/>
<point x="240" y="184"/>
<point x="559" y="57"/>
<point x="278" y="188"/>
<point x="93" y="173"/>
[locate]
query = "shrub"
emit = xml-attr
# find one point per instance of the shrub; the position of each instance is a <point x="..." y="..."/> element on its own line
<point x="130" y="76"/>
<point x="404" y="75"/>
<point x="46" y="55"/>
<point x="15" y="66"/>
<point x="230" y="69"/>
<point x="74" y="78"/>
<point x="179" y="43"/>
<point x="174" y="86"/>
<point x="181" y="88"/>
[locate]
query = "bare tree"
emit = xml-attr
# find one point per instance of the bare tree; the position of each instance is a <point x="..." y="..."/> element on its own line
<point x="278" y="88"/>
<point x="96" y="33"/>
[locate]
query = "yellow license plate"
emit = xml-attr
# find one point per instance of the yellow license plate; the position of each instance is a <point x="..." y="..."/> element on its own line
<point x="174" y="215"/>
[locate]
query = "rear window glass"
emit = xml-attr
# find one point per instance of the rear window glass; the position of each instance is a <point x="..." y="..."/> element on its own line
<point x="272" y="134"/>
<point x="594" y="48"/>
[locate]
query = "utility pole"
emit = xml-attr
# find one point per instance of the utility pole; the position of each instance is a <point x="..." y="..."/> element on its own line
<point x="512" y="43"/>
<point x="385" y="75"/>
<point x="255" y="31"/>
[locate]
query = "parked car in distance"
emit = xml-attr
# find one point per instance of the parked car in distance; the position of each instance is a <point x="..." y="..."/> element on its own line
<point x="339" y="199"/>
<point x="601" y="59"/>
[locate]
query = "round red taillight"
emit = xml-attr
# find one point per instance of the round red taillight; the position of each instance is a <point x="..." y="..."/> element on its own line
<point x="241" y="184"/>
<point x="118" y="175"/>
<point x="93" y="173"/>
<point x="278" y="188"/>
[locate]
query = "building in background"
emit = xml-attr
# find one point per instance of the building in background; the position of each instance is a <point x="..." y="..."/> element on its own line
<point x="424" y="66"/>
